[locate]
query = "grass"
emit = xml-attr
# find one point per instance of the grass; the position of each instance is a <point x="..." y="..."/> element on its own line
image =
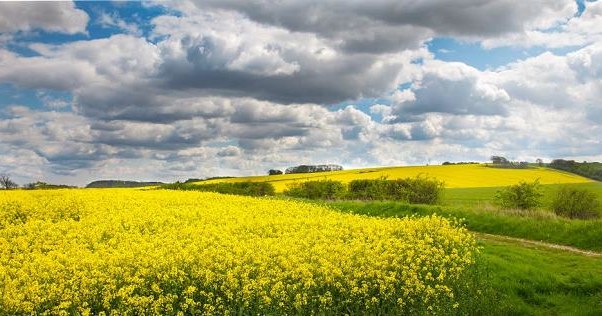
<point x="483" y="197"/>
<point x="454" y="176"/>
<point x="534" y="225"/>
<point x="536" y="281"/>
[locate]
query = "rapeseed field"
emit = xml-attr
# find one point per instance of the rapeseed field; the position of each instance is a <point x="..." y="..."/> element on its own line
<point x="454" y="176"/>
<point x="141" y="252"/>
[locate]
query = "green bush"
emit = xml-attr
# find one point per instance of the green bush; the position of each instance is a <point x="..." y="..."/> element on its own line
<point x="420" y="190"/>
<point x="375" y="189"/>
<point x="237" y="188"/>
<point x="320" y="189"/>
<point x="575" y="203"/>
<point x="523" y="195"/>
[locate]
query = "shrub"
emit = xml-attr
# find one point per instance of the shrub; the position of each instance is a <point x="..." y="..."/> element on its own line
<point x="375" y="189"/>
<point x="320" y="189"/>
<point x="523" y="195"/>
<point x="575" y="203"/>
<point x="420" y="190"/>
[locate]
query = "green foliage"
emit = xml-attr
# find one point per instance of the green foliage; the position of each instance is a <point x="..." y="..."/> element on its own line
<point x="373" y="189"/>
<point x="524" y="195"/>
<point x="418" y="190"/>
<point x="312" y="168"/>
<point x="592" y="170"/>
<point x="237" y="188"/>
<point x="320" y="189"/>
<point x="575" y="203"/>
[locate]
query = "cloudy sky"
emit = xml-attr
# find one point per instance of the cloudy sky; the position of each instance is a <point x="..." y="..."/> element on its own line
<point x="172" y="90"/>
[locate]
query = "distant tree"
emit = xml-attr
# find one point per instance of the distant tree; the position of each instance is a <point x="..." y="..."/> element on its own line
<point x="499" y="160"/>
<point x="563" y="164"/>
<point x="39" y="185"/>
<point x="30" y="186"/>
<point x="539" y="162"/>
<point x="274" y="172"/>
<point x="6" y="183"/>
<point x="312" y="168"/>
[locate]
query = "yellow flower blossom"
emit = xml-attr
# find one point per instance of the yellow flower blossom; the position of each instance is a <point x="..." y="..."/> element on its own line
<point x="126" y="251"/>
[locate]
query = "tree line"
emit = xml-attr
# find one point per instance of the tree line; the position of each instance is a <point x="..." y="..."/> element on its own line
<point x="306" y="169"/>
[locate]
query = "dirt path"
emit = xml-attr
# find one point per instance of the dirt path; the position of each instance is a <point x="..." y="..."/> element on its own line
<point x="533" y="243"/>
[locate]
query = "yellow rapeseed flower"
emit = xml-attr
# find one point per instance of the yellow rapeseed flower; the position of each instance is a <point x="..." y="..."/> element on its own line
<point x="126" y="251"/>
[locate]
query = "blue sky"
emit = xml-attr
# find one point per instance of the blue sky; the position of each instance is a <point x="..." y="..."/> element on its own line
<point x="171" y="90"/>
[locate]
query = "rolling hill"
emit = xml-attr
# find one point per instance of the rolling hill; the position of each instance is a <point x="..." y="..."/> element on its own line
<point x="454" y="176"/>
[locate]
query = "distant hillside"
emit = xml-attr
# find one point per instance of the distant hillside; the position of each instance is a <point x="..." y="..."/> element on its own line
<point x="193" y="180"/>
<point x="454" y="176"/>
<point x="592" y="170"/>
<point x="120" y="184"/>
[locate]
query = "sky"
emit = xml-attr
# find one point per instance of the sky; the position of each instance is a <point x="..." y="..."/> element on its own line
<point x="171" y="90"/>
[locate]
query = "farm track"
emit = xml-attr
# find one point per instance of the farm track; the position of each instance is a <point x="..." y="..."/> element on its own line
<point x="535" y="243"/>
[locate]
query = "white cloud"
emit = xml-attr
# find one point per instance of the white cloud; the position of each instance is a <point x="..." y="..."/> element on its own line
<point x="562" y="31"/>
<point x="60" y="16"/>
<point x="239" y="90"/>
<point x="388" y="26"/>
<point x="113" y="20"/>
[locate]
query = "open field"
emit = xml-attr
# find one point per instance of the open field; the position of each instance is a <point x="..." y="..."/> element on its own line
<point x="157" y="252"/>
<point x="484" y="197"/>
<point x="532" y="280"/>
<point x="454" y="176"/>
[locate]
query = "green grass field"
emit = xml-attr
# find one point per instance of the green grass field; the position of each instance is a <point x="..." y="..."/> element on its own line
<point x="484" y="197"/>
<point x="454" y="176"/>
<point x="541" y="281"/>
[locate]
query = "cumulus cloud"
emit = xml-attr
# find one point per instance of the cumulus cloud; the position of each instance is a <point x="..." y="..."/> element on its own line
<point x="230" y="151"/>
<point x="240" y="57"/>
<point x="570" y="30"/>
<point x="396" y="25"/>
<point x="113" y="20"/>
<point x="446" y="87"/>
<point x="227" y="88"/>
<point x="61" y="17"/>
